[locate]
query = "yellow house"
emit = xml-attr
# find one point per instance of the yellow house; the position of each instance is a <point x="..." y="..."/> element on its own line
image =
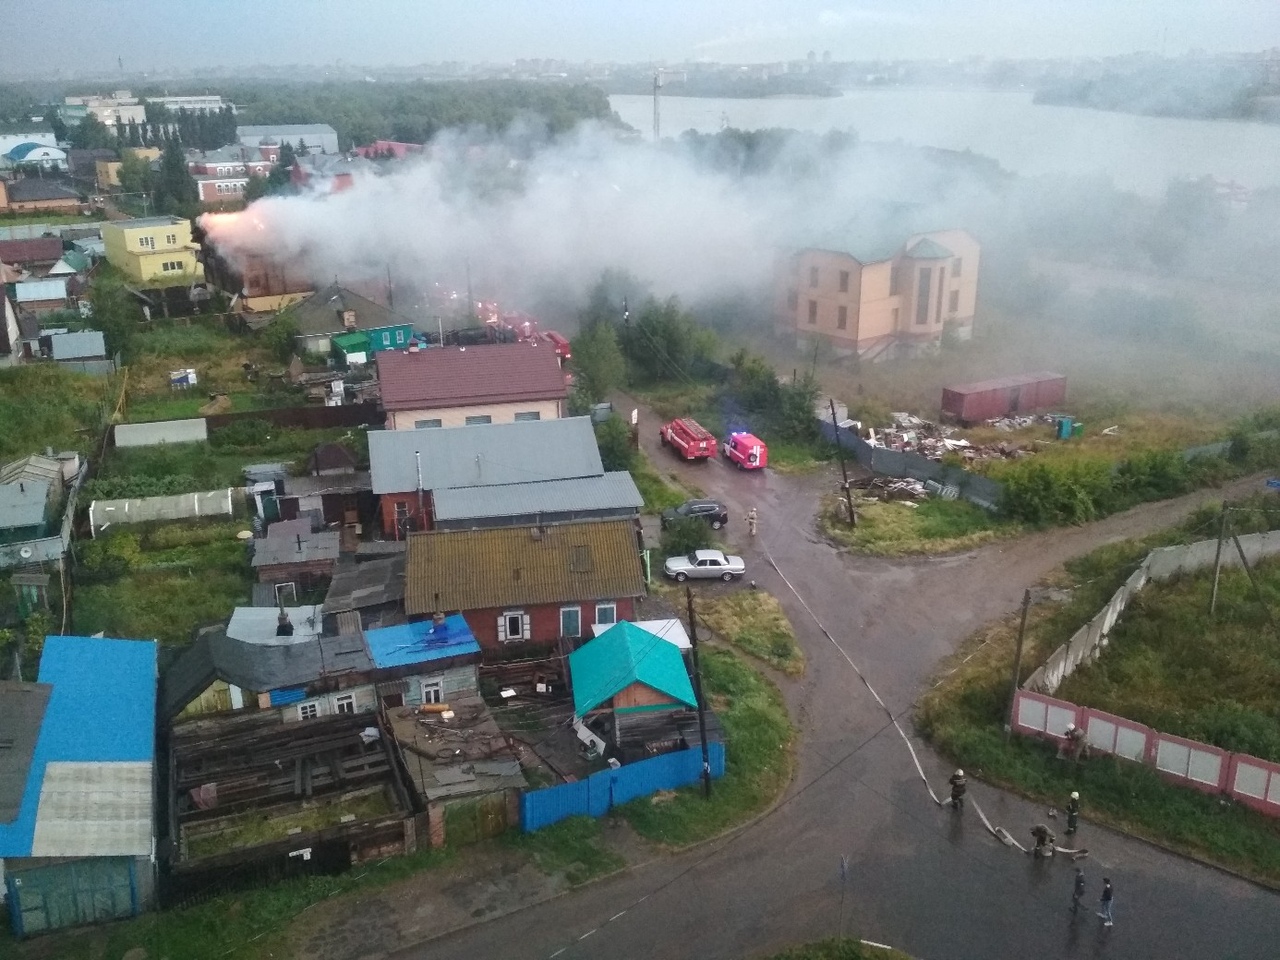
<point x="153" y="250"/>
<point x="107" y="172"/>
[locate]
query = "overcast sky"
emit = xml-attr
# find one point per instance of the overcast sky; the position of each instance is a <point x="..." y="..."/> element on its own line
<point x="88" y="35"/>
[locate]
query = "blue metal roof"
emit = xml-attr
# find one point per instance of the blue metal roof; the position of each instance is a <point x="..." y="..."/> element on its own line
<point x="102" y="710"/>
<point x="420" y="642"/>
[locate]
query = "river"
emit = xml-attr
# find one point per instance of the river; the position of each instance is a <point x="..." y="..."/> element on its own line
<point x="1139" y="153"/>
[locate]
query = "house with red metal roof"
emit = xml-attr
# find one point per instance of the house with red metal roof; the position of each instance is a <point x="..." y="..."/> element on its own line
<point x="468" y="386"/>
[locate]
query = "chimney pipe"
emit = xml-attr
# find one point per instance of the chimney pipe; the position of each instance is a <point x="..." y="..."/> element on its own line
<point x="284" y="628"/>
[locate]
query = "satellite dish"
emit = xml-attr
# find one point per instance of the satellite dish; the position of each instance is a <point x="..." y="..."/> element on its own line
<point x="25" y="553"/>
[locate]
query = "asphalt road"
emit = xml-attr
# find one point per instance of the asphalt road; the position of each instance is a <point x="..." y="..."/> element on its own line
<point x="927" y="880"/>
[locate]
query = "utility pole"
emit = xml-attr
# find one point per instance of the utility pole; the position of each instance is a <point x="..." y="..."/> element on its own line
<point x="657" y="91"/>
<point x="1217" y="558"/>
<point x="697" y="692"/>
<point x="1017" y="663"/>
<point x="835" y="433"/>
<point x="1257" y="590"/>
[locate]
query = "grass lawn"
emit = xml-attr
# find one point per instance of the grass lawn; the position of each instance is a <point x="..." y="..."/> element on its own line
<point x="41" y="405"/>
<point x="572" y="847"/>
<point x="964" y="715"/>
<point x="839" y="948"/>
<point x="893" y="529"/>
<point x="754" y="622"/>
<point x="52" y="219"/>
<point x="658" y="493"/>
<point x="758" y="758"/>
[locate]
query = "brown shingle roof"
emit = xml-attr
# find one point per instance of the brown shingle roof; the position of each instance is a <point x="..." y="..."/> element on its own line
<point x="461" y="376"/>
<point x="514" y="566"/>
<point x="34" y="250"/>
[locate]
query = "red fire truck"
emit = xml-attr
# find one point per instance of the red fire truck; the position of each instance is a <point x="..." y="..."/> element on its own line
<point x="688" y="438"/>
<point x="746" y="450"/>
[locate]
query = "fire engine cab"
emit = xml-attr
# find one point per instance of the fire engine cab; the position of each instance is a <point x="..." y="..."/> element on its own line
<point x="688" y="438"/>
<point x="746" y="450"/>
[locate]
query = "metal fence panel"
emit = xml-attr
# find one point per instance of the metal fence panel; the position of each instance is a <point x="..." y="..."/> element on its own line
<point x="541" y="808"/>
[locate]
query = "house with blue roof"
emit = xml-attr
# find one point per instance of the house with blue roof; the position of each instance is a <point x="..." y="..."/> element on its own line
<point x="77" y="785"/>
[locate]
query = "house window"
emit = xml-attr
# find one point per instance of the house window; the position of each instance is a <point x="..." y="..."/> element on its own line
<point x="844" y="281"/>
<point x="923" y="290"/>
<point x="842" y="318"/>
<point x="813" y="276"/>
<point x="402" y="512"/>
<point x="513" y="625"/>
<point x="308" y="711"/>
<point x="953" y="304"/>
<point x="813" y="311"/>
<point x="570" y="621"/>
<point x="433" y="690"/>
<point x="793" y="299"/>
<point x="606" y="613"/>
<point x="424" y="424"/>
<point x="171" y="239"/>
<point x="147" y="243"/>
<point x="955" y="266"/>
<point x="345" y="703"/>
<point x="386" y="338"/>
<point x="286" y="593"/>
<point x="479" y="420"/>
<point x="895" y="281"/>
<point x="399" y="337"/>
<point x="528" y="415"/>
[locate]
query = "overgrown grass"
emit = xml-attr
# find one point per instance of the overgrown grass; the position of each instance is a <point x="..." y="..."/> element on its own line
<point x="658" y="493"/>
<point x="43" y="405"/>
<point x="253" y="925"/>
<point x="839" y="948"/>
<point x="964" y="718"/>
<point x="934" y="526"/>
<point x="572" y="847"/>
<point x="255" y="827"/>
<point x="788" y="456"/>
<point x="754" y="622"/>
<point x="758" y="758"/>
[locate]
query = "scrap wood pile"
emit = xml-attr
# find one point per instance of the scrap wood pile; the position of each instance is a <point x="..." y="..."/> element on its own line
<point x="891" y="488"/>
<point x="912" y="434"/>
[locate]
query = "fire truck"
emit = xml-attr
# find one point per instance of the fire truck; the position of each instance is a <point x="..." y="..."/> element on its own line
<point x="688" y="438"/>
<point x="746" y="450"/>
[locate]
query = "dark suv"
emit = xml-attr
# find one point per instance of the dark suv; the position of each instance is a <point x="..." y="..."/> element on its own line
<point x="712" y="511"/>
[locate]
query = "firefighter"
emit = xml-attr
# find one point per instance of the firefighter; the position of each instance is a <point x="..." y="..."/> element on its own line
<point x="958" y="786"/>
<point x="1073" y="745"/>
<point x="1044" y="841"/>
<point x="752" y="519"/>
<point x="1073" y="812"/>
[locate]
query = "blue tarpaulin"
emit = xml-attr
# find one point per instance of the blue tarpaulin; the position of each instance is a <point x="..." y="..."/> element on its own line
<point x="420" y="642"/>
<point x="287" y="695"/>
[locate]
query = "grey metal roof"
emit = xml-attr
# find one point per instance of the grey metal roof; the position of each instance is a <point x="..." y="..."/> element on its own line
<point x="73" y="346"/>
<point x="22" y="504"/>
<point x="366" y="585"/>
<point x="272" y="551"/>
<point x="162" y="431"/>
<point x="321" y="312"/>
<point x="334" y="483"/>
<point x="489" y="455"/>
<point x="31" y="468"/>
<point x="610" y="491"/>
<point x="34" y="291"/>
<point x="22" y="708"/>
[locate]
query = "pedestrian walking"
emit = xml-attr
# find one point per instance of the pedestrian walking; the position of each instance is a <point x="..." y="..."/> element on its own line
<point x="1073" y="812"/>
<point x="1108" y="898"/>
<point x="958" y="786"/>
<point x="1077" y="891"/>
<point x="752" y="519"/>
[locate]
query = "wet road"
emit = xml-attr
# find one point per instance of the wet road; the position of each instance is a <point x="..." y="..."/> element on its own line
<point x="926" y="880"/>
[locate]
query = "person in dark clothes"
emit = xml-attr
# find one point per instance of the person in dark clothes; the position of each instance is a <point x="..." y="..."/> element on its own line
<point x="1073" y="812"/>
<point x="1077" y="892"/>
<point x="1044" y="841"/>
<point x="1108" y="898"/>
<point x="958" y="786"/>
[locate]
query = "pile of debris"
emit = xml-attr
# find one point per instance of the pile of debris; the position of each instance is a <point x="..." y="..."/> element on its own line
<point x="1009" y="424"/>
<point x="912" y="434"/>
<point x="891" y="488"/>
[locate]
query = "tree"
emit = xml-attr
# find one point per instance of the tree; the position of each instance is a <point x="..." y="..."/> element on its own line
<point x="135" y="173"/>
<point x="256" y="188"/>
<point x="59" y="128"/>
<point x="597" y="362"/>
<point x="685" y="535"/>
<point x="115" y="313"/>
<point x="280" y="335"/>
<point x="664" y="344"/>
<point x="176" y="191"/>
<point x="613" y="437"/>
<point x="91" y="134"/>
<point x="301" y="149"/>
<point x="280" y="174"/>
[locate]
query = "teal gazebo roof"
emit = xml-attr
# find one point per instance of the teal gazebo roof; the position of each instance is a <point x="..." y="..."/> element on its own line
<point x="622" y="655"/>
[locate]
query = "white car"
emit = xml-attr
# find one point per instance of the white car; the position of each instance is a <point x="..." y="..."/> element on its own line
<point x="704" y="564"/>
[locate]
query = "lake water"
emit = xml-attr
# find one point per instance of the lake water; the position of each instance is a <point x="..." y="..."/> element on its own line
<point x="1138" y="153"/>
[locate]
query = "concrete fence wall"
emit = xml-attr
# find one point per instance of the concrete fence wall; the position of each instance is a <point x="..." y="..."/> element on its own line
<point x="1249" y="780"/>
<point x="1161" y="564"/>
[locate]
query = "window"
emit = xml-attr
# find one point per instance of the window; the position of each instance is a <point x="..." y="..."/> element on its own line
<point x="386" y="338"/>
<point x="513" y="625"/>
<point x="171" y="239"/>
<point x="424" y="424"/>
<point x="345" y="703"/>
<point x="570" y="621"/>
<point x="813" y="276"/>
<point x="286" y="593"/>
<point x="844" y="281"/>
<point x="954" y="303"/>
<point x="942" y="285"/>
<point x="955" y="266"/>
<point x="399" y="337"/>
<point x="813" y="311"/>
<point x="479" y="420"/>
<point x="793" y="299"/>
<point x="308" y="711"/>
<point x="402" y="511"/>
<point x="528" y="415"/>
<point x="923" y="288"/>
<point x="165" y="267"/>
<point x="606" y="613"/>
<point x="895" y="281"/>
<point x="842" y="318"/>
<point x="147" y="243"/>
<point x="433" y="690"/>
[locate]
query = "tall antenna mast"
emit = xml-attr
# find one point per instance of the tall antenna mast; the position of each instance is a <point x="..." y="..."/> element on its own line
<point x="657" y="90"/>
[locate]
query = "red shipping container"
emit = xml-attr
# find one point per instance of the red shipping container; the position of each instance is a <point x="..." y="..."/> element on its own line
<point x="1026" y="393"/>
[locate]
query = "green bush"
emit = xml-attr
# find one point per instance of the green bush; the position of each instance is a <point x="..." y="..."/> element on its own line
<point x="241" y="433"/>
<point x="613" y="437"/>
<point x="112" y="555"/>
<point x="130" y="487"/>
<point x="685" y="535"/>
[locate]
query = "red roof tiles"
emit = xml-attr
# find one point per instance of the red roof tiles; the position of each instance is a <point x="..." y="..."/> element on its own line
<point x="464" y="376"/>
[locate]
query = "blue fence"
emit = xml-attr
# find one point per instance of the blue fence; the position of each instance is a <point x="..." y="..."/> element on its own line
<point x="598" y="793"/>
<point x="902" y="464"/>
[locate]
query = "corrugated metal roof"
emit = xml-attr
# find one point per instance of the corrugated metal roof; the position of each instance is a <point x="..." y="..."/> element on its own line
<point x="32" y="468"/>
<point x="333" y="483"/>
<point x="609" y="491"/>
<point x="31" y="291"/>
<point x="22" y="707"/>
<point x="513" y="566"/>
<point x="621" y="656"/>
<point x="670" y="630"/>
<point x="273" y="551"/>
<point x="23" y="504"/>
<point x="464" y="376"/>
<point x="161" y="431"/>
<point x="74" y="346"/>
<point x="322" y="313"/>
<point x="1000" y="383"/>
<point x="488" y="455"/>
<point x="88" y="792"/>
<point x="366" y="585"/>
<point x="421" y="642"/>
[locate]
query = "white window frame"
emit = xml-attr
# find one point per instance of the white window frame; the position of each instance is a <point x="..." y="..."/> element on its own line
<point x="344" y="700"/>
<point x="308" y="710"/>
<point x="612" y="607"/>
<point x="504" y="626"/>
<point x="432" y="689"/>
<point x="291" y="599"/>
<point x="577" y="612"/>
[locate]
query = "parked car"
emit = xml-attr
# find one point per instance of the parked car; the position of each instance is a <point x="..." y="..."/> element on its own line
<point x="715" y="513"/>
<point x="706" y="565"/>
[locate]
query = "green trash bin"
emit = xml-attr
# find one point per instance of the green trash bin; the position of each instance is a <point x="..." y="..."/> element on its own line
<point x="1077" y="430"/>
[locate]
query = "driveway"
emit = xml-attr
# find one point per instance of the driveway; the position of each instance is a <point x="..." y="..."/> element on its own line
<point x="929" y="881"/>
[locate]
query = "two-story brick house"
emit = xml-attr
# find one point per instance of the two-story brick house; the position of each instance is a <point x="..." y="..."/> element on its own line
<point x="223" y="174"/>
